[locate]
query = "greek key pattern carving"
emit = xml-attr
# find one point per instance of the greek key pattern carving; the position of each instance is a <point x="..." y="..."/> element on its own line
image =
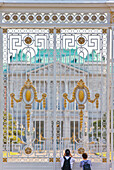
<point x="54" y="18"/>
<point x="27" y="42"/>
<point x="83" y="42"/>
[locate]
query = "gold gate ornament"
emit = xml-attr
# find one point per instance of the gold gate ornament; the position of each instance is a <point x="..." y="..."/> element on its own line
<point x="28" y="94"/>
<point x="81" y="94"/>
<point x="28" y="150"/>
<point x="81" y="150"/>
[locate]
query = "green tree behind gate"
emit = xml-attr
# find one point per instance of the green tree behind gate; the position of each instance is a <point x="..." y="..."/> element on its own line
<point x="10" y="131"/>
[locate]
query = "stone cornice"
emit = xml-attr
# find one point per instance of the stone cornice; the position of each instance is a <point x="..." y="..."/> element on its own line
<point x="57" y="5"/>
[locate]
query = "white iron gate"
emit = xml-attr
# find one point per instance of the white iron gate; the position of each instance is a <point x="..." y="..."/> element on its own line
<point x="36" y="128"/>
<point x="56" y="89"/>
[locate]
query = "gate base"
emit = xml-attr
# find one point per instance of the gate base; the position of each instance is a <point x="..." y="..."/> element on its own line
<point x="46" y="166"/>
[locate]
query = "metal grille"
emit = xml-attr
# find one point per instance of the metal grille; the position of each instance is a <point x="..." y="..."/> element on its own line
<point x="55" y="60"/>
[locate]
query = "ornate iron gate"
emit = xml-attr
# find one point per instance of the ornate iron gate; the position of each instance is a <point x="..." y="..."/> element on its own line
<point x="55" y="61"/>
<point x="56" y="87"/>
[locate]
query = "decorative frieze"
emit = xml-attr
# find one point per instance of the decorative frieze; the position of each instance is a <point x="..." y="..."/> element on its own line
<point x="54" y="17"/>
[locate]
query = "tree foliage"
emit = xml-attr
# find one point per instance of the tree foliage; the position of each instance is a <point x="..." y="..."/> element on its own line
<point x="98" y="127"/>
<point x="10" y="130"/>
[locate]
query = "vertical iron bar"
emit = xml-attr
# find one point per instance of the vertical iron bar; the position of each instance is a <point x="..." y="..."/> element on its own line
<point x="61" y="91"/>
<point x="112" y="99"/>
<point x="54" y="103"/>
<point x="48" y="143"/>
<point x="108" y="104"/>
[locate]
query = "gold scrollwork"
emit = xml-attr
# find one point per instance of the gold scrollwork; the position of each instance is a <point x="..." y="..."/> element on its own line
<point x="80" y="98"/>
<point x="28" y="86"/>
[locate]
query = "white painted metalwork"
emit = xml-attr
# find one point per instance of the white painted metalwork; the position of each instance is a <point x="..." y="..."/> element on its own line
<point x="112" y="100"/>
<point x="54" y="103"/>
<point x="55" y="18"/>
<point x="78" y="54"/>
<point x="108" y="92"/>
<point x="56" y="58"/>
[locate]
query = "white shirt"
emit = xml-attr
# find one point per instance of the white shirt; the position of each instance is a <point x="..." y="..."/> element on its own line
<point x="72" y="160"/>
